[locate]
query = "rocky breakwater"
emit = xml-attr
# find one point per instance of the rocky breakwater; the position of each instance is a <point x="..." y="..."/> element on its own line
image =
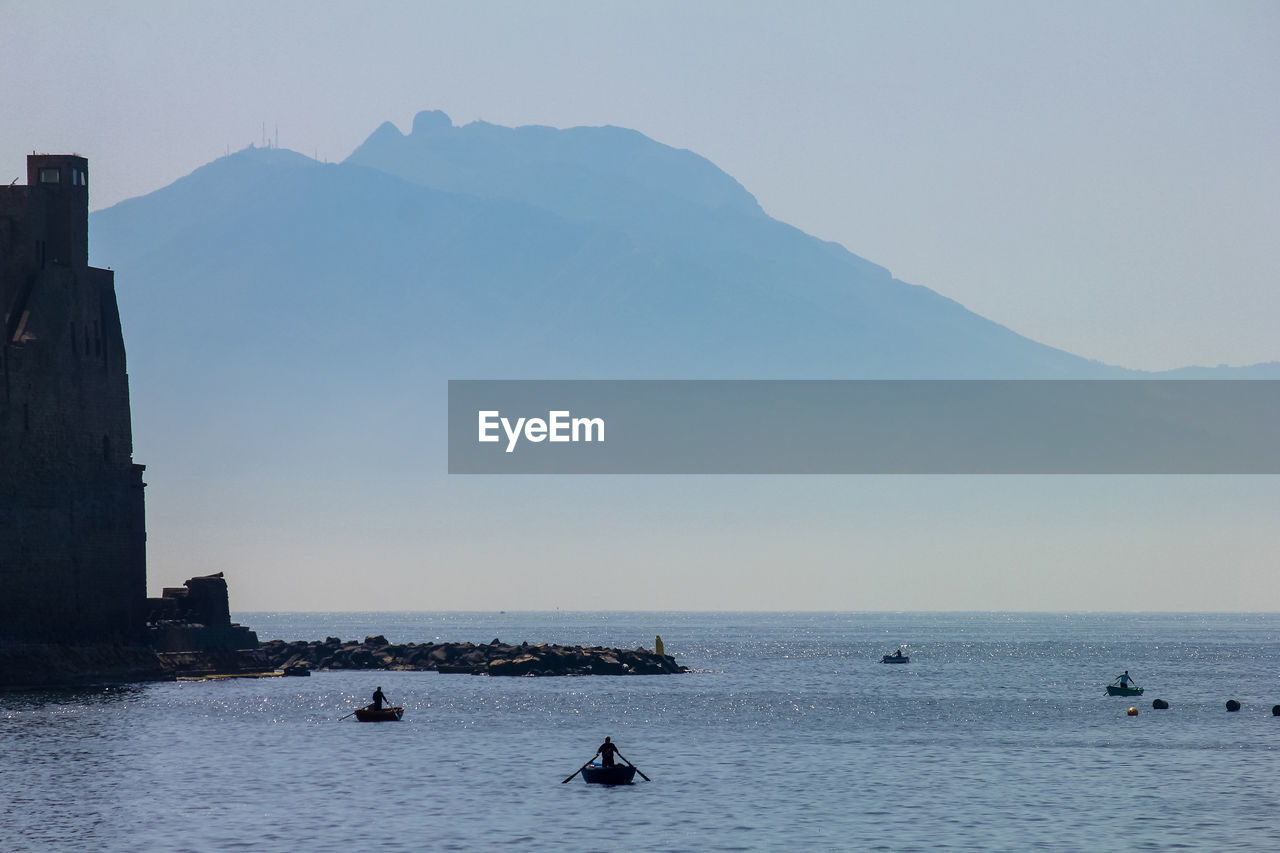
<point x="495" y="658"/>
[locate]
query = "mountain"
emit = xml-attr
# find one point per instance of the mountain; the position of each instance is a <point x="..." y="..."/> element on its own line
<point x="513" y="252"/>
<point x="291" y="326"/>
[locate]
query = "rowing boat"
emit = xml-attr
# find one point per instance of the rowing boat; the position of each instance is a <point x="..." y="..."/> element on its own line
<point x="618" y="774"/>
<point x="1116" y="690"/>
<point x="379" y="715"/>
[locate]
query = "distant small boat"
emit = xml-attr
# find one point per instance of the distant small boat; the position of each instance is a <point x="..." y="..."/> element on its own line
<point x="618" y="774"/>
<point x="896" y="659"/>
<point x="379" y="715"/>
<point x="1116" y="690"/>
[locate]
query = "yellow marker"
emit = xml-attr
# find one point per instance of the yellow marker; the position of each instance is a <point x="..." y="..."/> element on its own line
<point x="1132" y="712"/>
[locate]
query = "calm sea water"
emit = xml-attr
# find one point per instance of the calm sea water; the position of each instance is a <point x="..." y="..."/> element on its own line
<point x="997" y="736"/>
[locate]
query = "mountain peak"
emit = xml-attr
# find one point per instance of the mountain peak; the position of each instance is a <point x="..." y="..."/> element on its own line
<point x="584" y="174"/>
<point x="431" y="121"/>
<point x="386" y="132"/>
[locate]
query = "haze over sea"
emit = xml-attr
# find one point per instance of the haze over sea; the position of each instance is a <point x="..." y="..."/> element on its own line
<point x="789" y="736"/>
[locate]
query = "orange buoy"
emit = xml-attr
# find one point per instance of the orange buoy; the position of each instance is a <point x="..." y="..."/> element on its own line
<point x="1132" y="712"/>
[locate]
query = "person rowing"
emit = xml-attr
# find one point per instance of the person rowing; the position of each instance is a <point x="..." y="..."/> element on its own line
<point x="378" y="699"/>
<point x="618" y="776"/>
<point x="1125" y="680"/>
<point x="606" y="752"/>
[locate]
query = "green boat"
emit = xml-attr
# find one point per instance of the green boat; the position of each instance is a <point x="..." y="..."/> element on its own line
<point x="1116" y="690"/>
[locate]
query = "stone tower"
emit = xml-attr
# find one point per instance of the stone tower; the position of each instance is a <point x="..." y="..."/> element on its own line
<point x="72" y="535"/>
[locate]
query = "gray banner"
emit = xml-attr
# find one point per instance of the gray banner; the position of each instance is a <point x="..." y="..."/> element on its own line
<point x="864" y="427"/>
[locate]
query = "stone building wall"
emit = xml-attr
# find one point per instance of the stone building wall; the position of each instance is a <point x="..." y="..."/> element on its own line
<point x="72" y="533"/>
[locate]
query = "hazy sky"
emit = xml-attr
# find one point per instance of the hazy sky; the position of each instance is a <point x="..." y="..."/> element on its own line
<point x="1101" y="177"/>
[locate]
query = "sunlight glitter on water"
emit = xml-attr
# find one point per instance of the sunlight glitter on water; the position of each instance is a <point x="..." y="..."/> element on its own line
<point x="996" y="736"/>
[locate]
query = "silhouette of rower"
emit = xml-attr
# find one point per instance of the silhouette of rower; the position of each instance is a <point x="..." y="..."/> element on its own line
<point x="898" y="653"/>
<point x="378" y="698"/>
<point x="606" y="752"/>
<point x="1126" y="680"/>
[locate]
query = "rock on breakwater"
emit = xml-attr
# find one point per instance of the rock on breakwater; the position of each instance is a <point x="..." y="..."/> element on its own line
<point x="495" y="658"/>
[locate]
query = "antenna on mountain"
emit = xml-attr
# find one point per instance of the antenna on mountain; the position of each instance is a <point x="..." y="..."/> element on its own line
<point x="277" y="145"/>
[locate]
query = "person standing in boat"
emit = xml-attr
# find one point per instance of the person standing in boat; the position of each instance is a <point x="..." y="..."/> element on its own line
<point x="378" y="699"/>
<point x="1125" y="680"/>
<point x="606" y="752"/>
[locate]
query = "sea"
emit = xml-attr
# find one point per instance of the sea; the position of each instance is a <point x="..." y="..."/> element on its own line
<point x="789" y="734"/>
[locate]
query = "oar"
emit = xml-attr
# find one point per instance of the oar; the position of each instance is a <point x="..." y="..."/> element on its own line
<point x="579" y="770"/>
<point x="629" y="764"/>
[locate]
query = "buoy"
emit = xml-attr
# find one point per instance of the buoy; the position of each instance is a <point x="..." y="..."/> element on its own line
<point x="1275" y="710"/>
<point x="1132" y="712"/>
<point x="1160" y="705"/>
<point x="1233" y="705"/>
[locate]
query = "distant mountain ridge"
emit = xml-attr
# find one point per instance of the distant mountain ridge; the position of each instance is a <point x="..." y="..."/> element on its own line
<point x="595" y="174"/>
<point x="291" y="325"/>
<point x="585" y="174"/>
<point x="607" y="253"/>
